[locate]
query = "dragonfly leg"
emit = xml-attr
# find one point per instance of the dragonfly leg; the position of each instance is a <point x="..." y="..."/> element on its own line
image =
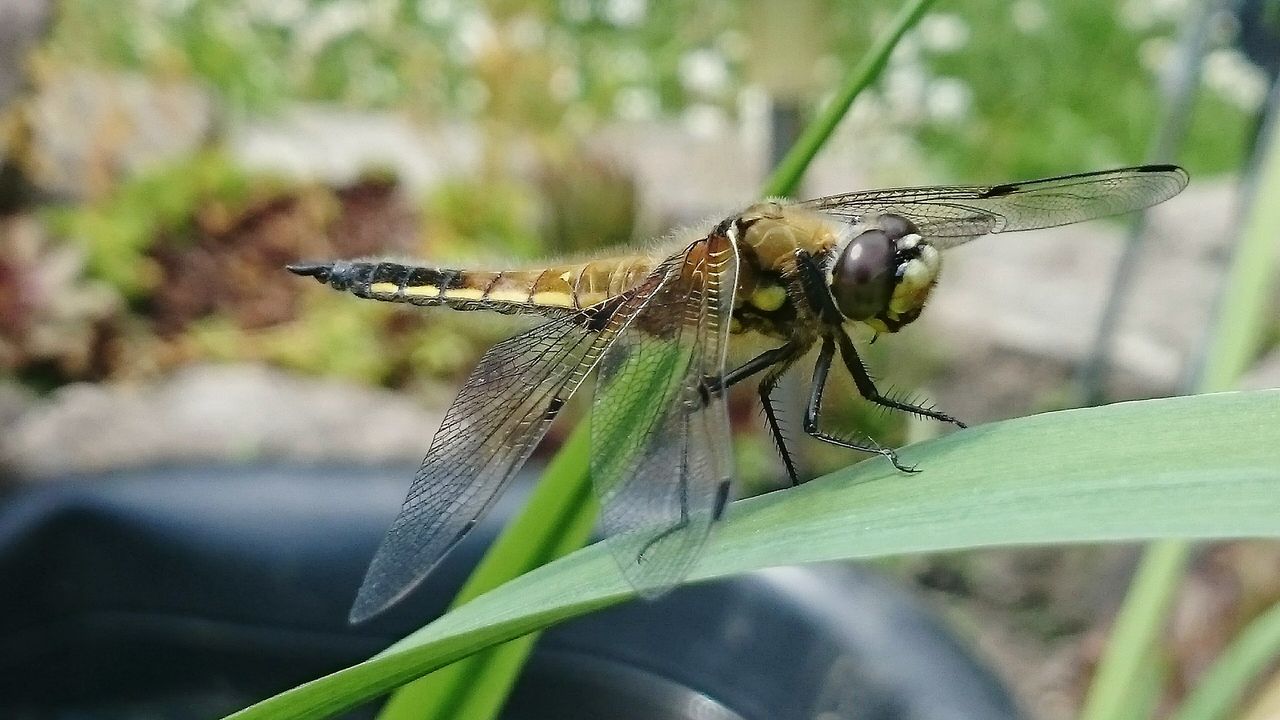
<point x="813" y="412"/>
<point x="766" y="388"/>
<point x="776" y="360"/>
<point x="867" y="387"/>
<point x="782" y="355"/>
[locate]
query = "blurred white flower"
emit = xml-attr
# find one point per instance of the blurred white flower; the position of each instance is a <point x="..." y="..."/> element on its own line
<point x="948" y="100"/>
<point x="943" y="32"/>
<point x="279" y="13"/>
<point x="1029" y="16"/>
<point x="436" y="12"/>
<point x="1236" y="79"/>
<point x="472" y="36"/>
<point x="904" y="91"/>
<point x="326" y="23"/>
<point x="1156" y="55"/>
<point x="625" y="13"/>
<point x="636" y="103"/>
<point x="1142" y="15"/>
<point x="704" y="121"/>
<point x="704" y="71"/>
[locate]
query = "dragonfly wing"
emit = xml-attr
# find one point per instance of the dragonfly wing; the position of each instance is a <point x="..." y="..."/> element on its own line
<point x="660" y="442"/>
<point x="498" y="417"/>
<point x="953" y="215"/>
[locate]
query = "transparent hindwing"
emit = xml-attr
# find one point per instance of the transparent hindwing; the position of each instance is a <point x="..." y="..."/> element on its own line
<point x="499" y="416"/>
<point x="660" y="439"/>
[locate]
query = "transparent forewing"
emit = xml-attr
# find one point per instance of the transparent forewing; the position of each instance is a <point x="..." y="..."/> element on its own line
<point x="953" y="215"/>
<point x="498" y="417"/>
<point x="660" y="441"/>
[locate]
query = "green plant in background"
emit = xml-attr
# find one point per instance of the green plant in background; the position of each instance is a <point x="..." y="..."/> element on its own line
<point x="554" y="68"/>
<point x="118" y="232"/>
<point x="1127" y="679"/>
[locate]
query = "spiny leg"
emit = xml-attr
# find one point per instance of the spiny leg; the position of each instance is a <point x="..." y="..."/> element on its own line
<point x="767" y="385"/>
<point x="867" y="387"/>
<point x="815" y="290"/>
<point x="776" y="360"/>
<point x="813" y="412"/>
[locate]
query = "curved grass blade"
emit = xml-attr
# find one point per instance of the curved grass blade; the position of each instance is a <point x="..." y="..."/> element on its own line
<point x="1222" y="688"/>
<point x="1189" y="467"/>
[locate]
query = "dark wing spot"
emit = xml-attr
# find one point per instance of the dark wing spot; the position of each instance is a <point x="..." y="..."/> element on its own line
<point x="553" y="408"/>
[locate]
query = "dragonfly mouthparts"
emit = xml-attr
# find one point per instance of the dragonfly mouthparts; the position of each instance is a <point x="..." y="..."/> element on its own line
<point x="320" y="271"/>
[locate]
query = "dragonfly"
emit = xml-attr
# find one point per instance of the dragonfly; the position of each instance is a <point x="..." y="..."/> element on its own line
<point x="657" y="328"/>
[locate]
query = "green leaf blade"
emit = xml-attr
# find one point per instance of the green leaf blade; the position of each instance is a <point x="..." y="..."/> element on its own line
<point x="1190" y="467"/>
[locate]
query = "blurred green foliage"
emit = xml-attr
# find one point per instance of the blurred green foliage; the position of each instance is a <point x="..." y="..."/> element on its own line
<point x="991" y="89"/>
<point x="118" y="231"/>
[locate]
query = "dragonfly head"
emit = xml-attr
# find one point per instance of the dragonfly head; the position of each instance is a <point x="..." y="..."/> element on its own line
<point x="883" y="273"/>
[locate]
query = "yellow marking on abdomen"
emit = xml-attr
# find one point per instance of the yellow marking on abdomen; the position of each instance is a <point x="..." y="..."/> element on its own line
<point x="519" y="297"/>
<point x="464" y="293"/>
<point x="384" y="288"/>
<point x="553" y="299"/>
<point x="428" y="291"/>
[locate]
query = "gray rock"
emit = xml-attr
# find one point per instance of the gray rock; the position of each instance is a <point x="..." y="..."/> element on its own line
<point x="336" y="146"/>
<point x="23" y="23"/>
<point x="212" y="413"/>
<point x="90" y="129"/>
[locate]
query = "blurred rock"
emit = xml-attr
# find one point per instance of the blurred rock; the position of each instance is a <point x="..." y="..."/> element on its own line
<point x="338" y="147"/>
<point x="23" y="23"/>
<point x="88" y="129"/>
<point x="214" y="413"/>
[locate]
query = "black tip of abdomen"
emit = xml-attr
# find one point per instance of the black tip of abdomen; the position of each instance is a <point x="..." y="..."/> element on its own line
<point x="319" y="271"/>
<point x="340" y="275"/>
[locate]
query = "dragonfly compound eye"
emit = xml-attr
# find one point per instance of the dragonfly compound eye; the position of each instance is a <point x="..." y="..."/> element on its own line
<point x="863" y="278"/>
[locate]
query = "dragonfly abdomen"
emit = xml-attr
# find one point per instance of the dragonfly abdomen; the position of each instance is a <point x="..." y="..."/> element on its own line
<point x="567" y="287"/>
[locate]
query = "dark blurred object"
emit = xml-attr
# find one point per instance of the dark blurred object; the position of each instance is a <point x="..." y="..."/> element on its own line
<point x="190" y="593"/>
<point x="1259" y="39"/>
<point x="1259" y="35"/>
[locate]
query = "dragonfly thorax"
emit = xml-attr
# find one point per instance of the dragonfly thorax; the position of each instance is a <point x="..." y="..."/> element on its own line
<point x="883" y="273"/>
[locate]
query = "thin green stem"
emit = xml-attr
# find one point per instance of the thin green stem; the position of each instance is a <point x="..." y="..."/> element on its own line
<point x="787" y="175"/>
<point x="1135" y="637"/>
<point x="1252" y="652"/>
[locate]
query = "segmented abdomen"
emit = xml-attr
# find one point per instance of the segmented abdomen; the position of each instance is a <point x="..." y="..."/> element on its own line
<point x="559" y="288"/>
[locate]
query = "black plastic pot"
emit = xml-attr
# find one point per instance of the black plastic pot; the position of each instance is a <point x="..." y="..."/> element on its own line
<point x="189" y="593"/>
